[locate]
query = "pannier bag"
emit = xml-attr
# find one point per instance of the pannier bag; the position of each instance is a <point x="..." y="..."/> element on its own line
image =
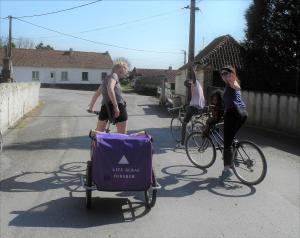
<point x="122" y="162"/>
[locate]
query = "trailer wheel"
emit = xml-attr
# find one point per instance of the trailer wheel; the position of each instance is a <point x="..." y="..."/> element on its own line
<point x="150" y="193"/>
<point x="88" y="192"/>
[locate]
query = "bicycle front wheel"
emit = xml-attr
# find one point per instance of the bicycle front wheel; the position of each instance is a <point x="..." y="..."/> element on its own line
<point x="249" y="163"/>
<point x="200" y="150"/>
<point x="176" y="125"/>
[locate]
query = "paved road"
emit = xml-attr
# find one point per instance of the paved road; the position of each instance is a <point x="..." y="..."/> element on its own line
<point x="45" y="155"/>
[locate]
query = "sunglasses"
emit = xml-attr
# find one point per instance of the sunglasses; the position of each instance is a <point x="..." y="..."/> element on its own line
<point x="225" y="73"/>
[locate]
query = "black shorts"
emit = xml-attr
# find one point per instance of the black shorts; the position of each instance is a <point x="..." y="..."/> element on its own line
<point x="190" y="112"/>
<point x="103" y="115"/>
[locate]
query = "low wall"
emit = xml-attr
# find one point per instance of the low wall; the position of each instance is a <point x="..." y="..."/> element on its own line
<point x="87" y="87"/>
<point x="273" y="111"/>
<point x="17" y="99"/>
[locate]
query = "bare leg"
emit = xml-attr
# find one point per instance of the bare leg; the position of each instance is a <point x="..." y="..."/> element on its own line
<point x="122" y="127"/>
<point x="101" y="125"/>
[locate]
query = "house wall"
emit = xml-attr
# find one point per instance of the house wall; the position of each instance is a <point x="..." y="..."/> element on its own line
<point x="24" y="74"/>
<point x="180" y="89"/>
<point x="17" y="99"/>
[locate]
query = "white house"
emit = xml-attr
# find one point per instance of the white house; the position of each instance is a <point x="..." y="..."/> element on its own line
<point x="54" y="68"/>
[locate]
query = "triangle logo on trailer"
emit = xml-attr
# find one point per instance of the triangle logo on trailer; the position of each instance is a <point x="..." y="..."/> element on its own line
<point x="123" y="160"/>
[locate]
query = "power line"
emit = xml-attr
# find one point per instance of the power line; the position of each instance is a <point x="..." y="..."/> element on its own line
<point x="68" y="9"/>
<point x="121" y="24"/>
<point x="99" y="43"/>
<point x="133" y="21"/>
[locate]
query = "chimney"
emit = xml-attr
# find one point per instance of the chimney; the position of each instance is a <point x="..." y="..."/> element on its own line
<point x="71" y="51"/>
<point x="170" y="67"/>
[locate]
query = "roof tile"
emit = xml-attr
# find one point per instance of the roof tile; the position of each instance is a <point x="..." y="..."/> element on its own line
<point x="59" y="59"/>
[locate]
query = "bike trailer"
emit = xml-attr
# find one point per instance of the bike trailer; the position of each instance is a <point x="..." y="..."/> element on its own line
<point x="122" y="162"/>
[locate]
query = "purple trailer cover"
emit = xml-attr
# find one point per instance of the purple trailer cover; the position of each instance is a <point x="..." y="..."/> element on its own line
<point x="122" y="162"/>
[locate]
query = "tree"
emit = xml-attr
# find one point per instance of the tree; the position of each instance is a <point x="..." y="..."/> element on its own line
<point x="3" y="43"/>
<point x="21" y="42"/>
<point x="24" y="43"/>
<point x="41" y="46"/>
<point x="273" y="43"/>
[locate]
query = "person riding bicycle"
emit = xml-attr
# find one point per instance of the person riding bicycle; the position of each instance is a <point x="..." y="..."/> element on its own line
<point x="113" y="104"/>
<point x="217" y="110"/>
<point x="234" y="117"/>
<point x="196" y="104"/>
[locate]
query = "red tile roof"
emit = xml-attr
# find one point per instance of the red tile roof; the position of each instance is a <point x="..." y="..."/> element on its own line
<point x="58" y="59"/>
<point x="168" y="73"/>
<point x="224" y="50"/>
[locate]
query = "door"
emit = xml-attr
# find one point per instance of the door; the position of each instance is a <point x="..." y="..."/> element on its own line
<point x="52" y="78"/>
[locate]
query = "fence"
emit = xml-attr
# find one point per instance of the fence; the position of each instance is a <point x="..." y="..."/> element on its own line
<point x="273" y="111"/>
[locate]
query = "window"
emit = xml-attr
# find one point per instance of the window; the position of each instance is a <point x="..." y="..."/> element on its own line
<point x="64" y="76"/>
<point x="85" y="76"/>
<point x="103" y="76"/>
<point x="35" y="75"/>
<point x="52" y="75"/>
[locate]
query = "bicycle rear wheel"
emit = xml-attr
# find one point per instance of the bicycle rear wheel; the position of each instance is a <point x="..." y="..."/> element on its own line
<point x="249" y="163"/>
<point x="176" y="125"/>
<point x="200" y="151"/>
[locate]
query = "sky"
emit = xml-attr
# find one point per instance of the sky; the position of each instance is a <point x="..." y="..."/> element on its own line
<point x="149" y="34"/>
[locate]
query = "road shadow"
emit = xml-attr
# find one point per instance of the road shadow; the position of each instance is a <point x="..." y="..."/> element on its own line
<point x="265" y="138"/>
<point x="70" y="212"/>
<point x="68" y="176"/>
<point x="162" y="139"/>
<point x="154" y="109"/>
<point x="162" y="142"/>
<point x="76" y="142"/>
<point x="183" y="180"/>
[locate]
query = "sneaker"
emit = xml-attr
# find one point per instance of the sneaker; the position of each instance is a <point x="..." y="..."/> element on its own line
<point x="180" y="146"/>
<point x="226" y="174"/>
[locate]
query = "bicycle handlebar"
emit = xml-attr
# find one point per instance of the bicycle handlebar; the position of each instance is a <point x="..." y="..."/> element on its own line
<point x="174" y="108"/>
<point x="94" y="112"/>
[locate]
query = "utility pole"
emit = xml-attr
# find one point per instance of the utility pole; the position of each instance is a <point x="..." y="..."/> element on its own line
<point x="184" y="56"/>
<point x="191" y="52"/>
<point x="297" y="76"/>
<point x="7" y="64"/>
<point x="9" y="37"/>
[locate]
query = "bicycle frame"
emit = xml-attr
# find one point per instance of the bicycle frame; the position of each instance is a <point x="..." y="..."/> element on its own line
<point x="180" y="113"/>
<point x="217" y="138"/>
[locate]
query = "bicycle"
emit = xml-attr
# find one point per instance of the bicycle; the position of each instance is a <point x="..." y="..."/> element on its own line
<point x="196" y="123"/>
<point x="249" y="163"/>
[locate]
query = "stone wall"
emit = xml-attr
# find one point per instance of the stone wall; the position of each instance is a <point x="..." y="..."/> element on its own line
<point x="17" y="99"/>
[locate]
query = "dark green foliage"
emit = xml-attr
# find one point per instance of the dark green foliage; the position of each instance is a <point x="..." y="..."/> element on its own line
<point x="273" y="45"/>
<point x="42" y="46"/>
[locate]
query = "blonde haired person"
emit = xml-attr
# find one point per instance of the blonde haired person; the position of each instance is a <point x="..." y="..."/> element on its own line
<point x="112" y="101"/>
<point x="234" y="117"/>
